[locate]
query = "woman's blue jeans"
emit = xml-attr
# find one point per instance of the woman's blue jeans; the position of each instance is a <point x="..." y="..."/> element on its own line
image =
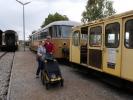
<point x="40" y="66"/>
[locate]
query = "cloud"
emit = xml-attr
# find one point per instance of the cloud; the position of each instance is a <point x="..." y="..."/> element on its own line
<point x="38" y="10"/>
<point x="53" y="1"/>
<point x="123" y="5"/>
<point x="35" y="13"/>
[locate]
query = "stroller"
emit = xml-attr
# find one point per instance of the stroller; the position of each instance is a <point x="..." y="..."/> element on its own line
<point x="51" y="73"/>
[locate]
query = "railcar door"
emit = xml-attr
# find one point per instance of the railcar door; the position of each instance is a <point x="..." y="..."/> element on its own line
<point x="112" y="48"/>
<point x="83" y="45"/>
<point x="75" y="47"/>
<point x="95" y="46"/>
<point x="127" y="49"/>
<point x="0" y="38"/>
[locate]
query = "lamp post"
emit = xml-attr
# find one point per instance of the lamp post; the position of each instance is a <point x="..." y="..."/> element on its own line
<point x="23" y="4"/>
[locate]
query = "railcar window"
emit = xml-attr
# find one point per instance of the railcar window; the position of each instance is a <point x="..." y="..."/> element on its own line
<point x="34" y="37"/>
<point x="112" y="35"/>
<point x="57" y="31"/>
<point x="43" y="35"/>
<point x="75" y="39"/>
<point x="39" y="37"/>
<point x="66" y="30"/>
<point x="50" y="31"/>
<point x="84" y="36"/>
<point x="54" y="31"/>
<point x="129" y="34"/>
<point x="95" y="36"/>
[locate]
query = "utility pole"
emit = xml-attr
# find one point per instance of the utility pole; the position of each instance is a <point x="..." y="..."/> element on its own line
<point x="23" y="4"/>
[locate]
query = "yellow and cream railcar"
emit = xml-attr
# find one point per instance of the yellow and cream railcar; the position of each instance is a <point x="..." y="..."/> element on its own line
<point x="60" y="31"/>
<point x="109" y="46"/>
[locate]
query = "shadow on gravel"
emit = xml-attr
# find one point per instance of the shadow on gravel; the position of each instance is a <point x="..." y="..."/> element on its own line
<point x="96" y="77"/>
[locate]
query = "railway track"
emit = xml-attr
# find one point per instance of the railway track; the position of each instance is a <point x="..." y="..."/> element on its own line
<point x="2" y="54"/>
<point x="6" y="62"/>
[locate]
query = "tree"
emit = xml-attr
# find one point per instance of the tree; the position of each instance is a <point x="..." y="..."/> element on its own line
<point x="54" y="17"/>
<point x="96" y="9"/>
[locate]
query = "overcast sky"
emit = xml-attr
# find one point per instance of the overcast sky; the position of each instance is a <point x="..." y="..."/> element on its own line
<point x="38" y="10"/>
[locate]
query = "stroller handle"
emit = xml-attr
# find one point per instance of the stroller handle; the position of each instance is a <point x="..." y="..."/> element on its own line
<point x="49" y="56"/>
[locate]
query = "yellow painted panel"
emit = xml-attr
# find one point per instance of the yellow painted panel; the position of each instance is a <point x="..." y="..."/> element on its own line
<point x="59" y="45"/>
<point x="75" y="51"/>
<point x="70" y="50"/>
<point x="127" y="64"/>
<point x="106" y="58"/>
<point x="112" y="55"/>
<point x="127" y="58"/>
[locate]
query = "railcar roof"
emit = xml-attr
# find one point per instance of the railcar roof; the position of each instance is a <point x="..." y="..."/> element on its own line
<point x="115" y="16"/>
<point x="121" y="15"/>
<point x="11" y="32"/>
<point x="69" y="23"/>
<point x="1" y="31"/>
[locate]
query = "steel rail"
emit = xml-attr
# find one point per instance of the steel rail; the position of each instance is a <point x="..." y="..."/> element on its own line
<point x="3" y="54"/>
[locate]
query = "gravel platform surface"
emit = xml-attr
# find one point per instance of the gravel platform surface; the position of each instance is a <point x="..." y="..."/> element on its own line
<point x="24" y="85"/>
